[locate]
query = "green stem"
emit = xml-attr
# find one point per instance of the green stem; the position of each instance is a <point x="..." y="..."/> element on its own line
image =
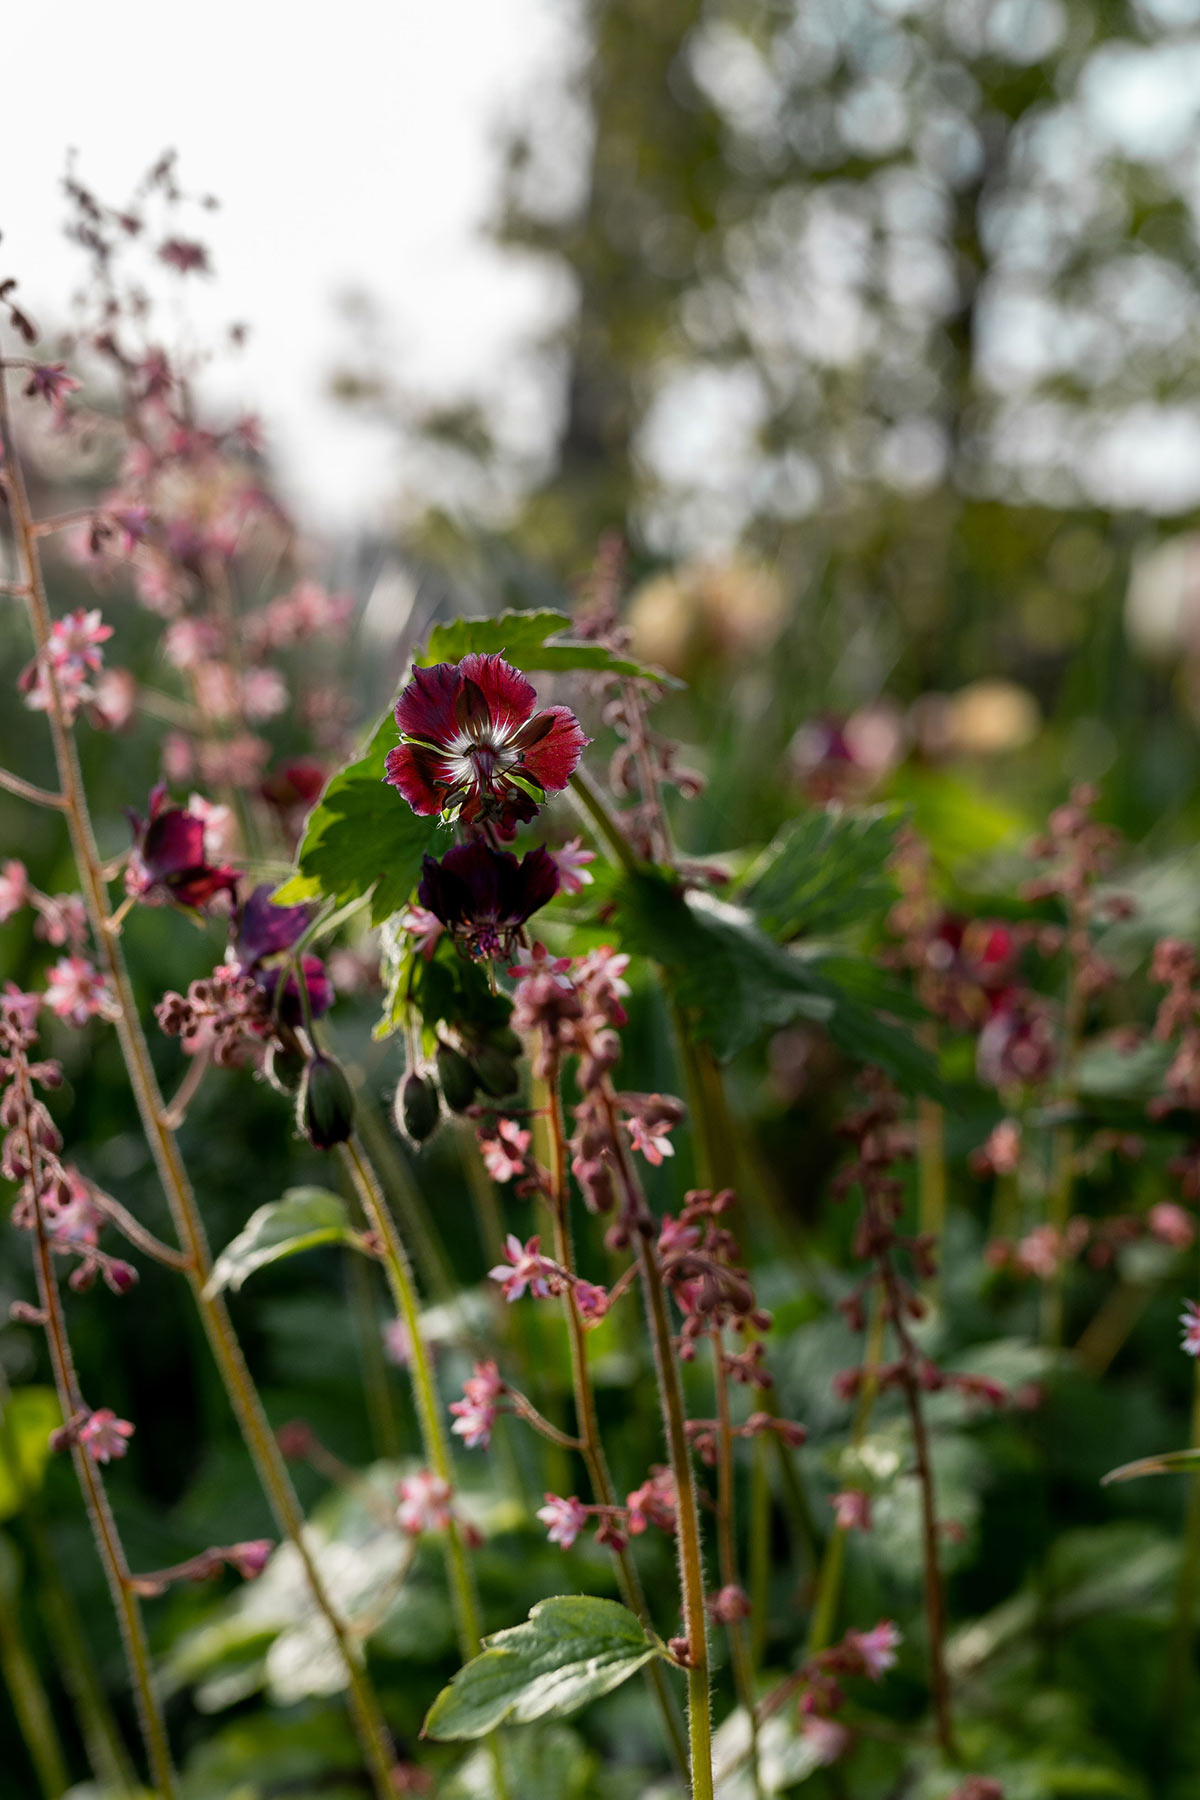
<point x="548" y="1102"/>
<point x="256" y="1432"/>
<point x="829" y="1578"/>
<point x="1183" y="1630"/>
<point x="428" y="1251"/>
<point x="931" y="1179"/>
<point x="385" y="1427"/>
<point x="604" y="822"/>
<point x="739" y="1643"/>
<point x="30" y="1703"/>
<point x="760" y="1549"/>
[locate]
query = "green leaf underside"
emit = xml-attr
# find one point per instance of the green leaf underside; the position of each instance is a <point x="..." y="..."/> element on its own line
<point x="827" y="870"/>
<point x="735" y="983"/>
<point x="522" y="639"/>
<point x="1170" y="1462"/>
<point x="571" y="1650"/>
<point x="30" y="1415"/>
<point x="305" y="1219"/>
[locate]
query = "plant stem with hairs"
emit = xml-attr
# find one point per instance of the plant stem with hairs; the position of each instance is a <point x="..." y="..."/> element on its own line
<point x="256" y="1431"/>
<point x="739" y="1642"/>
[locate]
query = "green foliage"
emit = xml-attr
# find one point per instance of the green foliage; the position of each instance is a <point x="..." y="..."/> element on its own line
<point x="305" y="1219"/>
<point x="362" y="837"/>
<point x="525" y="639"/>
<point x="30" y="1415"/>
<point x="571" y="1649"/>
<point x="825" y="871"/>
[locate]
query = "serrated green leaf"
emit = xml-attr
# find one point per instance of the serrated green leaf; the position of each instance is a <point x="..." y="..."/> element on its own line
<point x="825" y="871"/>
<point x="304" y="1219"/>
<point x="30" y="1415"/>
<point x="524" y="640"/>
<point x="571" y="1649"/>
<point x="363" y="835"/>
<point x="734" y="983"/>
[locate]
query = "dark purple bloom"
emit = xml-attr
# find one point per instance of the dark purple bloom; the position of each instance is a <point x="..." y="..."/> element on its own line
<point x="473" y="746"/>
<point x="484" y="896"/>
<point x="168" y="861"/>
<point x="263" y="935"/>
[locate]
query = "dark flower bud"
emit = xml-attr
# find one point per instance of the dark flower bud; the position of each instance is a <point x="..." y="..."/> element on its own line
<point x="416" y="1111"/>
<point x="504" y="1038"/>
<point x="497" y="1073"/>
<point x="456" y="1078"/>
<point x="325" y="1105"/>
<point x="284" y="1064"/>
<point x="120" y="1277"/>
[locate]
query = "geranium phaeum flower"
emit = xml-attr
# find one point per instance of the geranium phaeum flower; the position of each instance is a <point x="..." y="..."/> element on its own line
<point x="472" y="744"/>
<point x="168" y="861"/>
<point x="263" y="935"/>
<point x="484" y="896"/>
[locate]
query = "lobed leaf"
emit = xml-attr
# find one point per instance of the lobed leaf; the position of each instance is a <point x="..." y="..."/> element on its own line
<point x="304" y="1219"/>
<point x="570" y="1650"/>
<point x="826" y="870"/>
<point x="523" y="639"/>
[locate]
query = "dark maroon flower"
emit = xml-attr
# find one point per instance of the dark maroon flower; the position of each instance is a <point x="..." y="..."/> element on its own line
<point x="262" y="937"/>
<point x="295" y="784"/>
<point x="185" y="255"/>
<point x="484" y="896"/>
<point x="472" y="744"/>
<point x="168" y="861"/>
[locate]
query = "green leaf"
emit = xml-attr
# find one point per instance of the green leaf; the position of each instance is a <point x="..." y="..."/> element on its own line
<point x="362" y="835"/>
<point x="305" y="1218"/>
<point x="735" y="983"/>
<point x="522" y="638"/>
<point x="1170" y="1462"/>
<point x="825" y="871"/>
<point x="30" y="1415"/>
<point x="570" y="1650"/>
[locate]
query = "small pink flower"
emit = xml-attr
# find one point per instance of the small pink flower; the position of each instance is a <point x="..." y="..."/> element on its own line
<point x="572" y="864"/>
<point x="852" y="1510"/>
<point x="50" y="382"/>
<point x="563" y="1519"/>
<point x="877" y="1647"/>
<point x="104" y="1436"/>
<point x="75" y="642"/>
<point x="591" y="1301"/>
<point x="1189" y="1318"/>
<point x="654" y="1144"/>
<point x="475" y="1413"/>
<point x="62" y="919"/>
<point x="78" y="992"/>
<point x="538" y="961"/>
<point x="250" y="1558"/>
<point x="397" y="1343"/>
<point x="264" y="694"/>
<point x="220" y="827"/>
<point x="674" y="1237"/>
<point x="729" y="1605"/>
<point x="1171" y="1225"/>
<point x="424" y="1503"/>
<point x="653" y="1503"/>
<point x="528" y="1269"/>
<point x="14" y="890"/>
<point x="504" y="1155"/>
<point x="826" y="1739"/>
<point x="424" y="927"/>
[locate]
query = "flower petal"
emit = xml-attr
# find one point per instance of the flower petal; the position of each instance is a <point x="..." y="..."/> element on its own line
<point x="420" y="775"/>
<point x="263" y="928"/>
<point x="554" y="758"/>
<point x="425" y="708"/>
<point x="510" y="698"/>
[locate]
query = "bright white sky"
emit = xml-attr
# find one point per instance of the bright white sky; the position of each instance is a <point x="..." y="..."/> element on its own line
<point x="352" y="147"/>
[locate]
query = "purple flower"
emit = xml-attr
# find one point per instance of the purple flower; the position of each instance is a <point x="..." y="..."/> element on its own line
<point x="484" y="896"/>
<point x="473" y="746"/>
<point x="168" y="861"/>
<point x="264" y="931"/>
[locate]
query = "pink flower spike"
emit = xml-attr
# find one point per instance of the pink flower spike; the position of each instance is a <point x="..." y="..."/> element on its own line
<point x="572" y="864"/>
<point x="424" y="1503"/>
<point x="563" y="1519"/>
<point x="877" y="1647"/>
<point x="653" y="1144"/>
<point x="77" y="992"/>
<point x="1189" y="1318"/>
<point x="104" y="1436"/>
<point x="528" y="1269"/>
<point x="852" y="1510"/>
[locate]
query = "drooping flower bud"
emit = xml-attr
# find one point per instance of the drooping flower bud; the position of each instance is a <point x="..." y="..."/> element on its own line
<point x="497" y="1072"/>
<point x="325" y="1105"/>
<point x="456" y="1078"/>
<point x="284" y="1065"/>
<point x="416" y="1110"/>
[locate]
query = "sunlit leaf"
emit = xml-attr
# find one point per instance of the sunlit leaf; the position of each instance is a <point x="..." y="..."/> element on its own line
<point x="30" y="1415"/>
<point x="827" y="870"/>
<point x="570" y="1650"/>
<point x="306" y="1218"/>
<point x="526" y="640"/>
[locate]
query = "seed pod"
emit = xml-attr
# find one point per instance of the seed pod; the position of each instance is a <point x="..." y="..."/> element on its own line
<point x="284" y="1065"/>
<point x="456" y="1078"/>
<point x="504" y="1038"/>
<point x="497" y="1073"/>
<point x="416" y="1109"/>
<point x="325" y="1104"/>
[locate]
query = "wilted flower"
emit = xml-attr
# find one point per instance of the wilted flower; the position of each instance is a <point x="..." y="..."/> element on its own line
<point x="563" y="1519"/>
<point x="169" y="860"/>
<point x="484" y="896"/>
<point x="472" y="745"/>
<point x="263" y="936"/>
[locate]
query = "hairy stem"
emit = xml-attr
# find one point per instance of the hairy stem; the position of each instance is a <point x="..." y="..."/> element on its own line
<point x="739" y="1642"/>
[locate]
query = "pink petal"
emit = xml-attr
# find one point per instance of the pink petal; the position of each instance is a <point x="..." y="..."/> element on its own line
<point x="425" y="709"/>
<point x="417" y="773"/>
<point x="553" y="761"/>
<point x="510" y="698"/>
